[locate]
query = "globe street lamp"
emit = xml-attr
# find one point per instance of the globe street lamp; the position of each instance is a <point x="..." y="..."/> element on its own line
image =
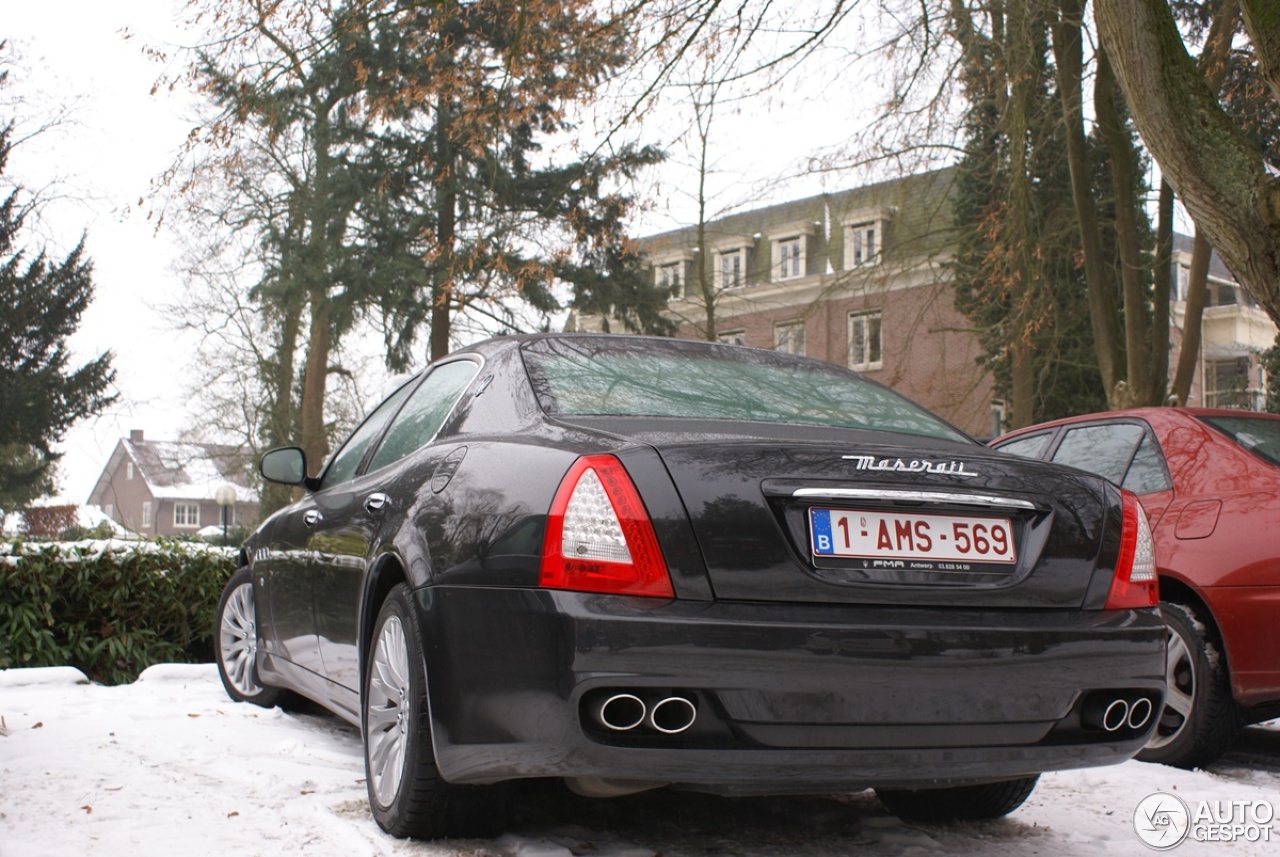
<point x="225" y="497"/>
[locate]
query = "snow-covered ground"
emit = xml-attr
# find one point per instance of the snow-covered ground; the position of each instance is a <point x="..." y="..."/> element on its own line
<point x="170" y="766"/>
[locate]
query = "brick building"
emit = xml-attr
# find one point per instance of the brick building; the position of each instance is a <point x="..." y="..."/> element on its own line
<point x="860" y="278"/>
<point x="164" y="488"/>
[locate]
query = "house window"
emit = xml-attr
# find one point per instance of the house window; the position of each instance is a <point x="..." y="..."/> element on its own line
<point x="864" y="341"/>
<point x="732" y="337"/>
<point x="790" y="258"/>
<point x="1180" y="284"/>
<point x="186" y="514"/>
<point x="146" y="513"/>
<point x="789" y="337"/>
<point x="110" y="511"/>
<point x="128" y="470"/>
<point x="733" y="269"/>
<point x="668" y="277"/>
<point x="997" y="422"/>
<point x="1227" y="384"/>
<point x="863" y="246"/>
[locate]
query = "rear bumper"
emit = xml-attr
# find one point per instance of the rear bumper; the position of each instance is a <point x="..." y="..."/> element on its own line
<point x="789" y="698"/>
<point x="1246" y="617"/>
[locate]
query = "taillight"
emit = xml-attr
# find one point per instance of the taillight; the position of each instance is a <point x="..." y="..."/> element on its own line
<point x="599" y="537"/>
<point x="1134" y="585"/>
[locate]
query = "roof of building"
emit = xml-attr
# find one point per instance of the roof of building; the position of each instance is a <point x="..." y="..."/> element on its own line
<point x="1217" y="269"/>
<point x="179" y="470"/>
<point x="921" y="206"/>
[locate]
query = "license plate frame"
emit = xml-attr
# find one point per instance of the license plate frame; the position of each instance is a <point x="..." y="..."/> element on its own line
<point x="901" y="537"/>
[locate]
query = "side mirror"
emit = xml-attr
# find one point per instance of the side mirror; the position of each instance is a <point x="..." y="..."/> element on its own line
<point x="286" y="465"/>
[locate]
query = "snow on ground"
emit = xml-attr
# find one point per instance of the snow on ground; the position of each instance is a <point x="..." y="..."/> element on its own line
<point x="169" y="765"/>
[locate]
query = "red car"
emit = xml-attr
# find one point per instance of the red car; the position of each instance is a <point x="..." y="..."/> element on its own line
<point x="1209" y="481"/>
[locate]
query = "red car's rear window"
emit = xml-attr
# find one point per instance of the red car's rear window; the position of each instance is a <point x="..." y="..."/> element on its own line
<point x="1259" y="435"/>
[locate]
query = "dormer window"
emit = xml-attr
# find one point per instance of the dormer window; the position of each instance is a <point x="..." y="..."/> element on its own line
<point x="671" y="271"/>
<point x="865" y="231"/>
<point x="733" y="269"/>
<point x="863" y="249"/>
<point x="792" y="246"/>
<point x="790" y="258"/>
<point x="669" y="277"/>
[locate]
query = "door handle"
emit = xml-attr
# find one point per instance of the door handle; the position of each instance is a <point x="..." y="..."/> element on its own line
<point x="311" y="517"/>
<point x="376" y="502"/>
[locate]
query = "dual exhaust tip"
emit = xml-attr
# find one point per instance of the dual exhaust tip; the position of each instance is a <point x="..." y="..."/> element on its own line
<point x="1113" y="714"/>
<point x="622" y="712"/>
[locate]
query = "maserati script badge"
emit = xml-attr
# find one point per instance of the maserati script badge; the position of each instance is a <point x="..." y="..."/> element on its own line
<point x="916" y="465"/>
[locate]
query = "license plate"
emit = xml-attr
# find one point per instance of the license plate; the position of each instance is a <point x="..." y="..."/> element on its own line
<point x="896" y="536"/>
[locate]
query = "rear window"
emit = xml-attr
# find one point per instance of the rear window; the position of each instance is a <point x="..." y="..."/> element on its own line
<point x="640" y="377"/>
<point x="1259" y="435"/>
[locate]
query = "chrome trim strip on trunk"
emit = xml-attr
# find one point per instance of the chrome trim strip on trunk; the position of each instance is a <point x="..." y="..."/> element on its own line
<point x="962" y="499"/>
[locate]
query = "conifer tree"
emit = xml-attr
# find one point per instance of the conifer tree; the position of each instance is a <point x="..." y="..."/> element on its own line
<point x="41" y="393"/>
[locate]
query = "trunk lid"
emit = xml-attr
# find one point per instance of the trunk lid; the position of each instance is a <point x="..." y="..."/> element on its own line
<point x="890" y="520"/>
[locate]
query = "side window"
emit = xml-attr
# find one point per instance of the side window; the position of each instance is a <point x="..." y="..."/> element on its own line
<point x="1027" y="447"/>
<point x="425" y="412"/>
<point x="344" y="463"/>
<point x="1103" y="449"/>
<point x="1147" y="473"/>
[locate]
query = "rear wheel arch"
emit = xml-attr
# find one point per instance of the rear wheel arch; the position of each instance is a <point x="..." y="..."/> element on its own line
<point x="386" y="573"/>
<point x="1176" y="591"/>
<point x="1200" y="718"/>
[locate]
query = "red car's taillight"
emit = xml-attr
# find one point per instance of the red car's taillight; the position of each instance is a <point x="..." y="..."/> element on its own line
<point x="1134" y="585"/>
<point x="599" y="537"/>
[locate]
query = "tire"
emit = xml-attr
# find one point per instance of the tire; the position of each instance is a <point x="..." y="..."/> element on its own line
<point x="236" y="630"/>
<point x="407" y="795"/>
<point x="1200" y="719"/>
<point x="958" y="803"/>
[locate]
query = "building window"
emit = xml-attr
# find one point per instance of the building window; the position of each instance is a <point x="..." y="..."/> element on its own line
<point x="733" y="269"/>
<point x="1180" y="284"/>
<point x="146" y="513"/>
<point x="865" y="236"/>
<point x="997" y="423"/>
<point x="128" y="470"/>
<point x="110" y="511"/>
<point x="186" y="514"/>
<point x="790" y="258"/>
<point x="1227" y="385"/>
<point x="789" y="337"/>
<point x="732" y="337"/>
<point x="668" y="277"/>
<point x="864" y="341"/>
<point x="863" y="246"/>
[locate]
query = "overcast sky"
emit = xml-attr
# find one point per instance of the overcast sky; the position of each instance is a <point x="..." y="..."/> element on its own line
<point x="73" y="53"/>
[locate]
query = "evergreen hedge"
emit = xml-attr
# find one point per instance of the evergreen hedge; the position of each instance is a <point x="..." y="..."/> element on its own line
<point x="110" y="608"/>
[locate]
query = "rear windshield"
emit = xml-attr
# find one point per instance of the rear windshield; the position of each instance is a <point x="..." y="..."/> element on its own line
<point x="1259" y="435"/>
<point x="642" y="377"/>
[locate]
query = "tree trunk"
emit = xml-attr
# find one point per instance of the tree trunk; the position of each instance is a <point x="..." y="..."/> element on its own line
<point x="313" y="438"/>
<point x="281" y="427"/>
<point x="1068" y="53"/>
<point x="1215" y="170"/>
<point x="446" y="226"/>
<point x="1123" y="169"/>
<point x="1192" y="320"/>
<point x="1162" y="267"/>
<point x="1025" y="277"/>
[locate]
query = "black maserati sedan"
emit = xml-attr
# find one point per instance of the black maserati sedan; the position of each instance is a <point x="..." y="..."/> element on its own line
<point x="630" y="563"/>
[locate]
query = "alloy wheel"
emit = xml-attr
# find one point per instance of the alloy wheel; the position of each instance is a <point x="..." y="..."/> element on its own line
<point x="238" y="640"/>
<point x="388" y="713"/>
<point x="1180" y="691"/>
